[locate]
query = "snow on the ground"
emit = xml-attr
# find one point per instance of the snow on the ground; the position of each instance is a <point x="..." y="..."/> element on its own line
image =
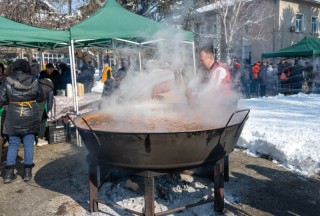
<point x="286" y="128"/>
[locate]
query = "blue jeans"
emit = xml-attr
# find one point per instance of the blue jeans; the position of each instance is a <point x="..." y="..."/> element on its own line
<point x="14" y="142"/>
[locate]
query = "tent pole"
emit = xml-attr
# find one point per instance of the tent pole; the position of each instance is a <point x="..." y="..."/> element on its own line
<point x="140" y="65"/>
<point x="74" y="86"/>
<point x="119" y="39"/>
<point x="41" y="59"/>
<point x="313" y="75"/>
<point x="73" y="78"/>
<point x="194" y="59"/>
<point x="74" y="73"/>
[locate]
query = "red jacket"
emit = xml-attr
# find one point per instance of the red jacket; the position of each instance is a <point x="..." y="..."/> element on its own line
<point x="255" y="70"/>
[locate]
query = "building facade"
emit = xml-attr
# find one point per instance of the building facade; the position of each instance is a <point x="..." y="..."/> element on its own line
<point x="292" y="20"/>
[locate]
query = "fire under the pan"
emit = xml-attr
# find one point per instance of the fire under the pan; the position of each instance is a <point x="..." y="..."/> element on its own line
<point x="143" y="124"/>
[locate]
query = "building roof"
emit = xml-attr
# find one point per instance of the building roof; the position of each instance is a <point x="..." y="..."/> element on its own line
<point x="216" y="5"/>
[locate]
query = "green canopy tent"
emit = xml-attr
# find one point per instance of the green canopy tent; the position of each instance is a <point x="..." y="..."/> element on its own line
<point x="113" y="21"/>
<point x="307" y="47"/>
<point x="14" y="34"/>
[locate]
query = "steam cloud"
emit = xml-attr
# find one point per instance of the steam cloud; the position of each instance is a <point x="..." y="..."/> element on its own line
<point x="158" y="92"/>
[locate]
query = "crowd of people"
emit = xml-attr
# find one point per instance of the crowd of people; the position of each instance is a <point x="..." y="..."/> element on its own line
<point x="264" y="78"/>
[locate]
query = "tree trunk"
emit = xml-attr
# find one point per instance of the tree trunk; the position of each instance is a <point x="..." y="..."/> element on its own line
<point x="69" y="7"/>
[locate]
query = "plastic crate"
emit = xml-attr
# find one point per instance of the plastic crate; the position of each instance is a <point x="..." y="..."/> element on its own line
<point x="58" y="132"/>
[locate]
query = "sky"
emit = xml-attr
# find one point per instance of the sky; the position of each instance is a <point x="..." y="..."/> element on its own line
<point x="62" y="8"/>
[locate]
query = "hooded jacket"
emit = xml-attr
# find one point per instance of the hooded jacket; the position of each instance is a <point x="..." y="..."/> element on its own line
<point x="46" y="88"/>
<point x="20" y="91"/>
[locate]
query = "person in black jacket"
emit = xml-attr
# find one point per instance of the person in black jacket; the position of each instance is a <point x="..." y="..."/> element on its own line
<point x="53" y="75"/>
<point x="20" y="90"/>
<point x="263" y="78"/>
<point x="65" y="72"/>
<point x="86" y="77"/>
<point x="46" y="87"/>
<point x="113" y="83"/>
<point x="2" y="114"/>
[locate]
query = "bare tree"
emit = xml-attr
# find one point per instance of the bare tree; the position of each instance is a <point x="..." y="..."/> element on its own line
<point x="238" y="19"/>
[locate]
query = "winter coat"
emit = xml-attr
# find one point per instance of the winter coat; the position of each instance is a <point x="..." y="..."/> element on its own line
<point x="106" y="74"/>
<point x="65" y="75"/>
<point x="263" y="78"/>
<point x="271" y="74"/>
<point x="245" y="74"/>
<point x="284" y="75"/>
<point x="20" y="91"/>
<point x="110" y="86"/>
<point x="55" y="78"/>
<point x="86" y="76"/>
<point x="296" y="75"/>
<point x="255" y="70"/>
<point x="46" y="89"/>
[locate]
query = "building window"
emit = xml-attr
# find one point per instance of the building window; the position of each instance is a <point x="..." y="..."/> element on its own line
<point x="299" y="22"/>
<point x="214" y="29"/>
<point x="202" y="29"/>
<point x="247" y="51"/>
<point x="314" y="25"/>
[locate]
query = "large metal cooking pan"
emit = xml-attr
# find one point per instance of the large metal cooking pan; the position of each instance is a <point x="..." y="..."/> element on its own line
<point x="156" y="150"/>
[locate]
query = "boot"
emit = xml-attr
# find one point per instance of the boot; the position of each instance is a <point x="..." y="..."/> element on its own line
<point x="9" y="174"/>
<point x="27" y="175"/>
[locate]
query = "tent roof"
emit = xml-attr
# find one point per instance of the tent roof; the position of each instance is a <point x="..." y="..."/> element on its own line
<point x="14" y="34"/>
<point x="113" y="21"/>
<point x="308" y="46"/>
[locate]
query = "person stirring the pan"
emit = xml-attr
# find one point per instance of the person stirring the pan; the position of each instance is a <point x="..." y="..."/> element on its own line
<point x="215" y="77"/>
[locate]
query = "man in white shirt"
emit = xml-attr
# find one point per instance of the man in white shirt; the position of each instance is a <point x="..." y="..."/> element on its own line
<point x="216" y="77"/>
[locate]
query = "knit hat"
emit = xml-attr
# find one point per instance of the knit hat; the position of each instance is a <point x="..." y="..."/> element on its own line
<point x="22" y="65"/>
<point x="49" y="65"/>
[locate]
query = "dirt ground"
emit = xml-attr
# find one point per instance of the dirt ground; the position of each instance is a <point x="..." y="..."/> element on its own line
<point x="59" y="187"/>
